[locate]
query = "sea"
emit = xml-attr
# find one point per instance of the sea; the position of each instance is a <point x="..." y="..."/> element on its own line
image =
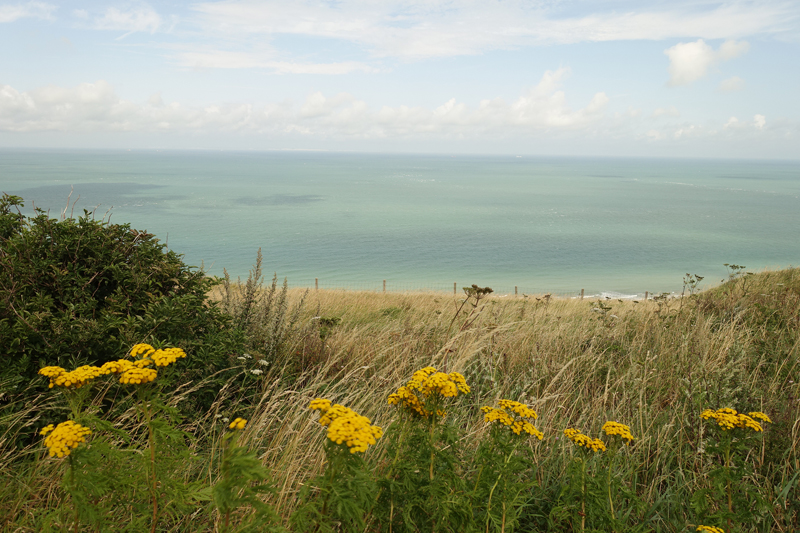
<point x="519" y="224"/>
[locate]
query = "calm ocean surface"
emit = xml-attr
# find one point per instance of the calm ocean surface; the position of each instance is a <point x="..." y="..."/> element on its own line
<point x="620" y="226"/>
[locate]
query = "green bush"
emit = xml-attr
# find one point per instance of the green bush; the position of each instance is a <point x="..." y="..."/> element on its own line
<point x="77" y="291"/>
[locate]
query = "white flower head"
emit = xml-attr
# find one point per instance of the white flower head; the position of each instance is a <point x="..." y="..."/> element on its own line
<point x="263" y="362"/>
<point x="257" y="372"/>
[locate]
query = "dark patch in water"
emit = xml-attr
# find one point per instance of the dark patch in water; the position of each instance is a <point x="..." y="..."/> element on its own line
<point x="279" y="199"/>
<point x="90" y="195"/>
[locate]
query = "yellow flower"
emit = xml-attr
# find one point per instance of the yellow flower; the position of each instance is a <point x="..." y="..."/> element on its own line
<point x="51" y="371"/>
<point x="424" y="384"/>
<point x="519" y="408"/>
<point x="345" y="426"/>
<point x="499" y="416"/>
<point x="596" y="445"/>
<point x="729" y="419"/>
<point x="116" y="367"/>
<point x="47" y="429"/>
<point x="76" y="378"/>
<point x="145" y="350"/>
<point x="64" y="437"/>
<point x="138" y="376"/>
<point x="710" y="529"/>
<point x="238" y="423"/>
<point x="620" y="430"/>
<point x="761" y="416"/>
<point x="167" y="356"/>
<point x="320" y="404"/>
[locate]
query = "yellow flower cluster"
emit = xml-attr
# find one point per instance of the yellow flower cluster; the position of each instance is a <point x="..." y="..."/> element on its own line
<point x="345" y="426"/>
<point x="61" y="439"/>
<point x="761" y="416"/>
<point x="427" y="382"/>
<point x="167" y="356"/>
<point x="138" y="376"/>
<point x="238" y="423"/>
<point x="162" y="357"/>
<point x="519" y="408"/>
<point x="73" y="379"/>
<point x="131" y="372"/>
<point x="710" y="529"/>
<point x="728" y="419"/>
<point x="621" y="430"/>
<point x="143" y="350"/>
<point x="596" y="445"/>
<point x="501" y="417"/>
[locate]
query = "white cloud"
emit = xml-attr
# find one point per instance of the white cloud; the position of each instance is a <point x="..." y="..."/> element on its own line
<point x="12" y="12"/>
<point x="757" y="124"/>
<point x="671" y="111"/>
<point x="142" y="18"/>
<point x="343" y="67"/>
<point x="214" y="59"/>
<point x="414" y="29"/>
<point x="731" y="84"/>
<point x="688" y="62"/>
<point x="95" y="107"/>
<point x="732" y="49"/>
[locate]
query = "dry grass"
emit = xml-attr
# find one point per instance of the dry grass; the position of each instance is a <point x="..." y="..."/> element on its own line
<point x="652" y="365"/>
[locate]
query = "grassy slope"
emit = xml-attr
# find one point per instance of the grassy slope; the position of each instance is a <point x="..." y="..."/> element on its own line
<point x="653" y="366"/>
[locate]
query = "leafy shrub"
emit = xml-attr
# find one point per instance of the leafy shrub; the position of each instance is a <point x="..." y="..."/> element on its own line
<point x="83" y="290"/>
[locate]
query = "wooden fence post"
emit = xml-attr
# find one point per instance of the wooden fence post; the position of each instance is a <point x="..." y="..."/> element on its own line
<point x="384" y="285"/>
<point x="454" y="287"/>
<point x="316" y="283"/>
<point x="645" y="295"/>
<point x="515" y="290"/>
<point x="581" y="294"/>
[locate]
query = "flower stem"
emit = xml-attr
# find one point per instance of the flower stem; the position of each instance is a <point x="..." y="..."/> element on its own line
<point x="728" y="488"/>
<point x="151" y="441"/>
<point x="583" y="495"/>
<point x="610" y="499"/>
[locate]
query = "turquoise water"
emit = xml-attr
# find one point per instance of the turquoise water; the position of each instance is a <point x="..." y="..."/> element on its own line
<point x="619" y="226"/>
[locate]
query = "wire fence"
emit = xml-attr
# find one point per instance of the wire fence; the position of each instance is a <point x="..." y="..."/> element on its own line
<point x="443" y="287"/>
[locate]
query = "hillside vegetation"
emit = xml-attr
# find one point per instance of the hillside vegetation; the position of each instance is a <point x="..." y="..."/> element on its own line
<point x="161" y="455"/>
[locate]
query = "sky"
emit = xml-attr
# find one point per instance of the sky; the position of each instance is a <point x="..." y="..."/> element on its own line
<point x="674" y="78"/>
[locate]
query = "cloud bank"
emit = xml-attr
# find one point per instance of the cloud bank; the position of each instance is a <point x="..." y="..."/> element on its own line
<point x="92" y="107"/>
<point x="413" y="29"/>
